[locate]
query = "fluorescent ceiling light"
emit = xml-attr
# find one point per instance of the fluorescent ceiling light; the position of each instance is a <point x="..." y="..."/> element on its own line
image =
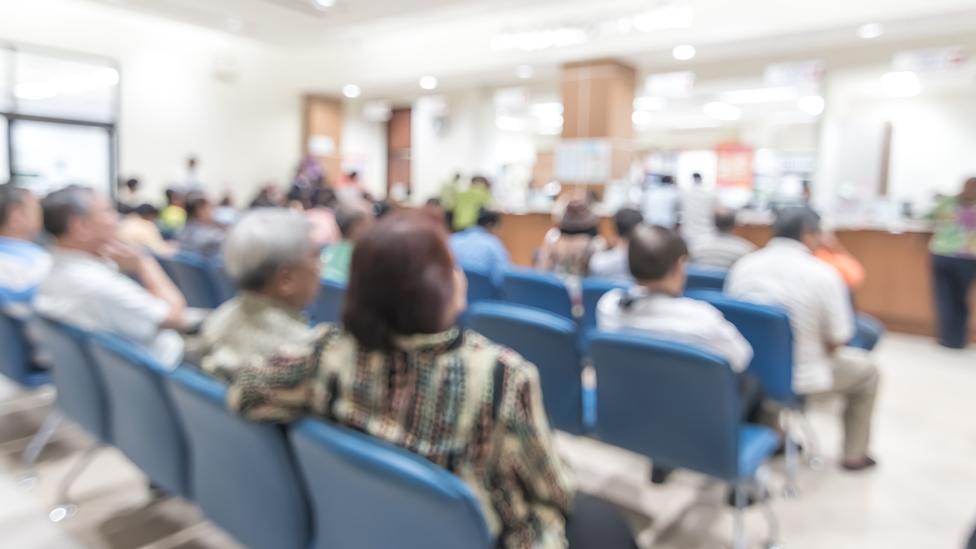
<point x="510" y="123"/>
<point x="351" y="91"/>
<point x="811" y="104"/>
<point x="870" y="31"/>
<point x="106" y="76"/>
<point x="722" y="111"/>
<point x="551" y="108"/>
<point x="664" y="18"/>
<point x="540" y="39"/>
<point x="759" y="95"/>
<point x="428" y="82"/>
<point x="323" y="4"/>
<point x="684" y="52"/>
<point x="524" y="71"/>
<point x="642" y="118"/>
<point x="901" y="84"/>
<point x="34" y="91"/>
<point x="650" y="103"/>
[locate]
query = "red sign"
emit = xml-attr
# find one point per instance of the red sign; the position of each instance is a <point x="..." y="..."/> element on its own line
<point x="734" y="166"/>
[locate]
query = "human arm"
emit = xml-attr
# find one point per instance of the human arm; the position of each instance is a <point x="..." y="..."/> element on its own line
<point x="152" y="277"/>
<point x="837" y="315"/>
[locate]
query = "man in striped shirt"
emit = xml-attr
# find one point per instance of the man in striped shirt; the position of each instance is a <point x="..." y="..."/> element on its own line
<point x="787" y="274"/>
<point x="721" y="249"/>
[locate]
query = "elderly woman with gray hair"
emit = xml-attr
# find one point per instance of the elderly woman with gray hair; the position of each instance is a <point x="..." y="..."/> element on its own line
<point x="271" y="255"/>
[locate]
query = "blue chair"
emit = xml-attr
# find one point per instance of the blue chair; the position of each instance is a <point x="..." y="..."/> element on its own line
<point x="328" y="305"/>
<point x="226" y="286"/>
<point x="593" y="290"/>
<point x="869" y="332"/>
<point x="481" y="287"/>
<point x="16" y="361"/>
<point x="195" y="278"/>
<point x="537" y="289"/>
<point x="145" y="426"/>
<point x="702" y="278"/>
<point x="242" y="473"/>
<point x="548" y="341"/>
<point x="678" y="406"/>
<point x="367" y="493"/>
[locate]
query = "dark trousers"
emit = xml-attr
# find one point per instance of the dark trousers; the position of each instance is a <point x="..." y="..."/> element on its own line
<point x="596" y="524"/>
<point x="953" y="277"/>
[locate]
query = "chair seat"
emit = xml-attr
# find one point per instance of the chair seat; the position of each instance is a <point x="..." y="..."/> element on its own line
<point x="35" y="377"/>
<point x="756" y="445"/>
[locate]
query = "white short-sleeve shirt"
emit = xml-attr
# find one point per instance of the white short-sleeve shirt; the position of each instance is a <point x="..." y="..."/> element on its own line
<point x="89" y="292"/>
<point x="787" y="274"/>
<point x="680" y="319"/>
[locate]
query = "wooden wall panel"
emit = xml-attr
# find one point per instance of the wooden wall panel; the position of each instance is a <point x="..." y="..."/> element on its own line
<point x="323" y="116"/>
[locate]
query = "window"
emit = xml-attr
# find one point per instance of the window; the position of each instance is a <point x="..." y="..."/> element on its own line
<point x="51" y="155"/>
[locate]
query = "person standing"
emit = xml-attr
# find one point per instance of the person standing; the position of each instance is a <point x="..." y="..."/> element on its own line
<point x="662" y="203"/>
<point x="953" y="248"/>
<point x="697" y="211"/>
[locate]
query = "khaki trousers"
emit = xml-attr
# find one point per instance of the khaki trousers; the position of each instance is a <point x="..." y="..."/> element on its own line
<point x="856" y="380"/>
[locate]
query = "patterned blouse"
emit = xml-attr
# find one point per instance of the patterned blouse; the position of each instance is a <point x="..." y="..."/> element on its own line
<point x="954" y="228"/>
<point x="434" y="395"/>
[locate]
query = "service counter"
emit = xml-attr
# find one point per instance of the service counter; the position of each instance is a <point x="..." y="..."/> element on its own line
<point x="897" y="290"/>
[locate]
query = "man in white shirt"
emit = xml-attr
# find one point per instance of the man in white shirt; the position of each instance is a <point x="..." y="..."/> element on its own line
<point x="23" y="264"/>
<point x="721" y="249"/>
<point x="612" y="264"/>
<point x="661" y="203"/>
<point x="697" y="210"/>
<point x="88" y="286"/>
<point x="787" y="274"/>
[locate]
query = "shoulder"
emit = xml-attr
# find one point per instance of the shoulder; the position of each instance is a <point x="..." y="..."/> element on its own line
<point x="480" y="351"/>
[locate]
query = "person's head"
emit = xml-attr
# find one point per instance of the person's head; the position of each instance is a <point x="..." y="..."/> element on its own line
<point x="132" y="184"/>
<point x="352" y="221"/>
<point x="725" y="220"/>
<point x="480" y="181"/>
<point x="806" y="190"/>
<point x="667" y="180"/>
<point x="80" y="218"/>
<point x="199" y="209"/>
<point x="626" y="220"/>
<point x="174" y="198"/>
<point x="696" y="178"/>
<point x="191" y="162"/>
<point x="270" y="252"/>
<point x="489" y="219"/>
<point x="657" y="258"/>
<point x="353" y="176"/>
<point x="578" y="219"/>
<point x="798" y="223"/>
<point x="403" y="281"/>
<point x="968" y="193"/>
<point x="146" y="211"/>
<point x="20" y="213"/>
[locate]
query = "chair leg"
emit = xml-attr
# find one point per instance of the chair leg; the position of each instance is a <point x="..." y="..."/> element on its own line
<point x="740" y="526"/>
<point x="792" y="458"/>
<point x="36" y="446"/>
<point x="65" y="508"/>
<point x="772" y="522"/>
<point x="814" y="459"/>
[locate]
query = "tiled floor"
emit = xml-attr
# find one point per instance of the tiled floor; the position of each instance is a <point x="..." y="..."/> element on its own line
<point x="922" y="496"/>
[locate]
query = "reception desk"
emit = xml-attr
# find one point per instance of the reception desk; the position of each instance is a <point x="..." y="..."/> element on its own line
<point x="898" y="288"/>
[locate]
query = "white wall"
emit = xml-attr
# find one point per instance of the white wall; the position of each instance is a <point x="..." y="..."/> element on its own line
<point x="364" y="147"/>
<point x="245" y="131"/>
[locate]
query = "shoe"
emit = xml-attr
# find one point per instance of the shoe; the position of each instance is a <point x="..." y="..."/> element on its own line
<point x="752" y="497"/>
<point x="659" y="475"/>
<point x="781" y="450"/>
<point x="866" y="463"/>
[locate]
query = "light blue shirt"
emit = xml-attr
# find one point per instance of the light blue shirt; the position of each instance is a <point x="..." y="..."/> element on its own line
<point x="23" y="265"/>
<point x="479" y="250"/>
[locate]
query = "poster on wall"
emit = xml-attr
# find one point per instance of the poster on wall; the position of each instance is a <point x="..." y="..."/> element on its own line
<point x="734" y="166"/>
<point x="583" y="160"/>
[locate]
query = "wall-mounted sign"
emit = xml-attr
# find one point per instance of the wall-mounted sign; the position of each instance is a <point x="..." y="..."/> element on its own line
<point x="797" y="73"/>
<point x="583" y="160"/>
<point x="733" y="166"/>
<point x="930" y="60"/>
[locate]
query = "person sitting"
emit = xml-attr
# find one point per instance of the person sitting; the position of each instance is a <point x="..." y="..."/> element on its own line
<point x="201" y="235"/>
<point x="612" y="264"/>
<point x="272" y="257"/>
<point x="469" y="202"/>
<point x="786" y="273"/>
<point x="721" y="249"/>
<point x="88" y="287"/>
<point x="479" y="249"/>
<point x="173" y="217"/>
<point x="23" y="264"/>
<point x="139" y="229"/>
<point x="567" y="250"/>
<point x="400" y="370"/>
<point x="352" y="221"/>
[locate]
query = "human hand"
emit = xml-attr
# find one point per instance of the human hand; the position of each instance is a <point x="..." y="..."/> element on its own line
<point x="129" y="259"/>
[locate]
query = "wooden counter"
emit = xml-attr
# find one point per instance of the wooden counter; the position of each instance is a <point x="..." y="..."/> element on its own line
<point x="897" y="290"/>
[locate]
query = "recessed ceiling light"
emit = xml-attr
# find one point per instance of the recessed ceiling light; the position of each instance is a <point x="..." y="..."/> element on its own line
<point x="722" y="111"/>
<point x="870" y="31"/>
<point x="323" y="4"/>
<point x="351" y="91"/>
<point x="428" y="82"/>
<point x="901" y="84"/>
<point x="524" y="72"/>
<point x="684" y="52"/>
<point x="811" y="104"/>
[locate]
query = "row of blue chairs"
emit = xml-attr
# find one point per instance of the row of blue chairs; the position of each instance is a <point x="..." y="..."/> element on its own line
<point x="204" y="282"/>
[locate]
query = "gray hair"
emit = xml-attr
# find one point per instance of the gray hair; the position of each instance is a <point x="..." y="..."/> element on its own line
<point x="62" y="205"/>
<point x="11" y="196"/>
<point x="263" y="241"/>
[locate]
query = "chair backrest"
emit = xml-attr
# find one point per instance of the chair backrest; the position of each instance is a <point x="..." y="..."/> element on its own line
<point x="242" y="473"/>
<point x="593" y="290"/>
<point x="549" y="341"/>
<point x="481" y="287"/>
<point x="367" y="493"/>
<point x="15" y="358"/>
<point x="81" y="393"/>
<point x="144" y="421"/>
<point x="673" y="403"/>
<point x="226" y="286"/>
<point x="537" y="289"/>
<point x="768" y="331"/>
<point x="328" y="305"/>
<point x="703" y="278"/>
<point x="195" y="278"/>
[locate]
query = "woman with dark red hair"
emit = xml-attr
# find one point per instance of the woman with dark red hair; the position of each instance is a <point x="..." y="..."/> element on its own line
<point x="399" y="369"/>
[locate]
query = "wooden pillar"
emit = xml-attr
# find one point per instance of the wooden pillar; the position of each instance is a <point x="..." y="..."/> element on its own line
<point x="322" y="125"/>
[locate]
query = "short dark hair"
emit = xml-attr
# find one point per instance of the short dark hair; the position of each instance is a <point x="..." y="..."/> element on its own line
<point x="347" y="218"/>
<point x="11" y="196"/>
<point x="145" y="210"/>
<point x="62" y="205"/>
<point x="796" y="222"/>
<point x="132" y="183"/>
<point x="195" y="203"/>
<point x="626" y="220"/>
<point x="400" y="280"/>
<point x="481" y="179"/>
<point x="654" y="251"/>
<point x="697" y="177"/>
<point x="488" y="218"/>
<point x="725" y="220"/>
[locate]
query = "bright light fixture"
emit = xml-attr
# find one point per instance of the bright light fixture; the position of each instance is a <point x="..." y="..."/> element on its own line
<point x="650" y="103"/>
<point x="428" y="82"/>
<point x="106" y="76"/>
<point x="34" y="91"/>
<point x="323" y="4"/>
<point x="811" y="104"/>
<point x="524" y="71"/>
<point x="684" y="52"/>
<point x="720" y="110"/>
<point x="901" y="84"/>
<point x="642" y="118"/>
<point x="759" y="95"/>
<point x="870" y="31"/>
<point x="351" y="91"/>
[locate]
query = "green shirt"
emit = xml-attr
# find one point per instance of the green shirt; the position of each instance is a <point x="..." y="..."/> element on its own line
<point x="336" y="260"/>
<point x="954" y="229"/>
<point x="467" y="205"/>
